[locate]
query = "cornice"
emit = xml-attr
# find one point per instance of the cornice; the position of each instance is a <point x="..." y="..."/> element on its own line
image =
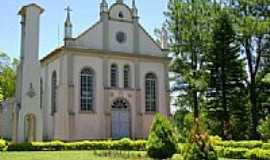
<point x="102" y="54"/>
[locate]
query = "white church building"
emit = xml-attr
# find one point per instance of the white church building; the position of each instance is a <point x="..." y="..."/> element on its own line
<point x="106" y="83"/>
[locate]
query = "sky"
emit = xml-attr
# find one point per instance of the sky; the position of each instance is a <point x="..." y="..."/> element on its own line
<point x="85" y="13"/>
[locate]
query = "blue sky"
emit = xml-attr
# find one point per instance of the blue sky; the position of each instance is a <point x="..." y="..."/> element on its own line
<point x="85" y="13"/>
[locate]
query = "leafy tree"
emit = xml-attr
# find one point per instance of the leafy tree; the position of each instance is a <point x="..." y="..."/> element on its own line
<point x="162" y="142"/>
<point x="253" y="23"/>
<point x="226" y="91"/>
<point x="264" y="128"/>
<point x="7" y="75"/>
<point x="189" y="27"/>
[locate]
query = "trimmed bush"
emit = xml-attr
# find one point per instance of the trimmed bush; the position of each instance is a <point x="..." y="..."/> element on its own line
<point x="3" y="145"/>
<point x="235" y="153"/>
<point x="162" y="141"/>
<point x="266" y="146"/>
<point x="258" y="154"/>
<point x="124" y="144"/>
<point x="243" y="153"/>
<point x="240" y="144"/>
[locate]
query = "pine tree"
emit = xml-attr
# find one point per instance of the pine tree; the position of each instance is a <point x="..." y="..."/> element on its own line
<point x="226" y="94"/>
<point x="189" y="24"/>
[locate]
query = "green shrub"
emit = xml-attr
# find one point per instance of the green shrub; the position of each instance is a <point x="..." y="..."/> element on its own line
<point x="124" y="144"/>
<point x="243" y="153"/>
<point x="3" y="145"/>
<point x="215" y="139"/>
<point x="162" y="141"/>
<point x="264" y="128"/>
<point x="199" y="146"/>
<point x="235" y="153"/>
<point x="266" y="146"/>
<point x="258" y="154"/>
<point x="240" y="144"/>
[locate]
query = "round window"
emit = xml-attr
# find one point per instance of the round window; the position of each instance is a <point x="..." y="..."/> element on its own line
<point x="121" y="37"/>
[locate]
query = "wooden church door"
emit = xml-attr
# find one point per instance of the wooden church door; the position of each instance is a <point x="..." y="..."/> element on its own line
<point x="120" y="119"/>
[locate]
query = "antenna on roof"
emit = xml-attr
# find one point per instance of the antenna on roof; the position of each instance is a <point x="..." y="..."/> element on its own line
<point x="58" y="35"/>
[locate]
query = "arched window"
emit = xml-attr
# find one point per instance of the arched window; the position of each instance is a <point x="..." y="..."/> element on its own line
<point x="41" y="92"/>
<point x="87" y="89"/>
<point x="114" y="75"/>
<point x="150" y="92"/>
<point x="126" y="76"/>
<point x="53" y="92"/>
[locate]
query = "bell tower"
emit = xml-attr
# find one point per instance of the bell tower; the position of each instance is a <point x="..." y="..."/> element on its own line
<point x="29" y="114"/>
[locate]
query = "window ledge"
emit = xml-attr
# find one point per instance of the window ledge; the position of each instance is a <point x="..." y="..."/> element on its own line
<point x="150" y="113"/>
<point x="87" y="112"/>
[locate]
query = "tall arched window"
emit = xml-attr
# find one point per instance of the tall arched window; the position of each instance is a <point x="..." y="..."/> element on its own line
<point x="53" y="92"/>
<point x="87" y="89"/>
<point x="150" y="92"/>
<point x="126" y="76"/>
<point x="114" y="75"/>
<point x="41" y="92"/>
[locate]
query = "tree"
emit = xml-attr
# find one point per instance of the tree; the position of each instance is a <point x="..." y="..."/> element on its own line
<point x="227" y="76"/>
<point x="7" y="75"/>
<point x="253" y="22"/>
<point x="264" y="128"/>
<point x="162" y="142"/>
<point x="189" y="28"/>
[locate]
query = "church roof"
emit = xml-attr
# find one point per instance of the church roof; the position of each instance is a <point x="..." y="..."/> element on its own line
<point x="94" y="32"/>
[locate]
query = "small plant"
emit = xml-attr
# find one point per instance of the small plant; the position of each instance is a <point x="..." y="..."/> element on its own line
<point x="162" y="141"/>
<point x="199" y="147"/>
<point x="264" y="128"/>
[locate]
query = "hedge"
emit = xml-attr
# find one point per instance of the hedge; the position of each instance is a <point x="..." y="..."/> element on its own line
<point x="124" y="144"/>
<point x="226" y="149"/>
<point x="233" y="153"/>
<point x="260" y="154"/>
<point x="241" y="144"/>
<point x="243" y="153"/>
<point x="266" y="146"/>
<point x="3" y="145"/>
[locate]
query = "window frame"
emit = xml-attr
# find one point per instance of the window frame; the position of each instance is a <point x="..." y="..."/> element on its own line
<point x="54" y="93"/>
<point x="116" y="74"/>
<point x="127" y="77"/>
<point x="153" y="106"/>
<point x="92" y="107"/>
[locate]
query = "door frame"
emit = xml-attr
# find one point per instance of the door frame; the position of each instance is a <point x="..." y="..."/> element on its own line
<point x="128" y="109"/>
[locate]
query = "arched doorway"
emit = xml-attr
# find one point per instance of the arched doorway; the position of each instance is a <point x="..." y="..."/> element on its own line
<point x="30" y="128"/>
<point x="120" y="119"/>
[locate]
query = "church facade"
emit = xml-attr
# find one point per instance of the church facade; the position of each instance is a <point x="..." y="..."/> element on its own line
<point x="107" y="82"/>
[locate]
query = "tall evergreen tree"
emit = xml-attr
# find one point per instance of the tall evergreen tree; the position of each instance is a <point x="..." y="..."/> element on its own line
<point x="189" y="27"/>
<point x="226" y="86"/>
